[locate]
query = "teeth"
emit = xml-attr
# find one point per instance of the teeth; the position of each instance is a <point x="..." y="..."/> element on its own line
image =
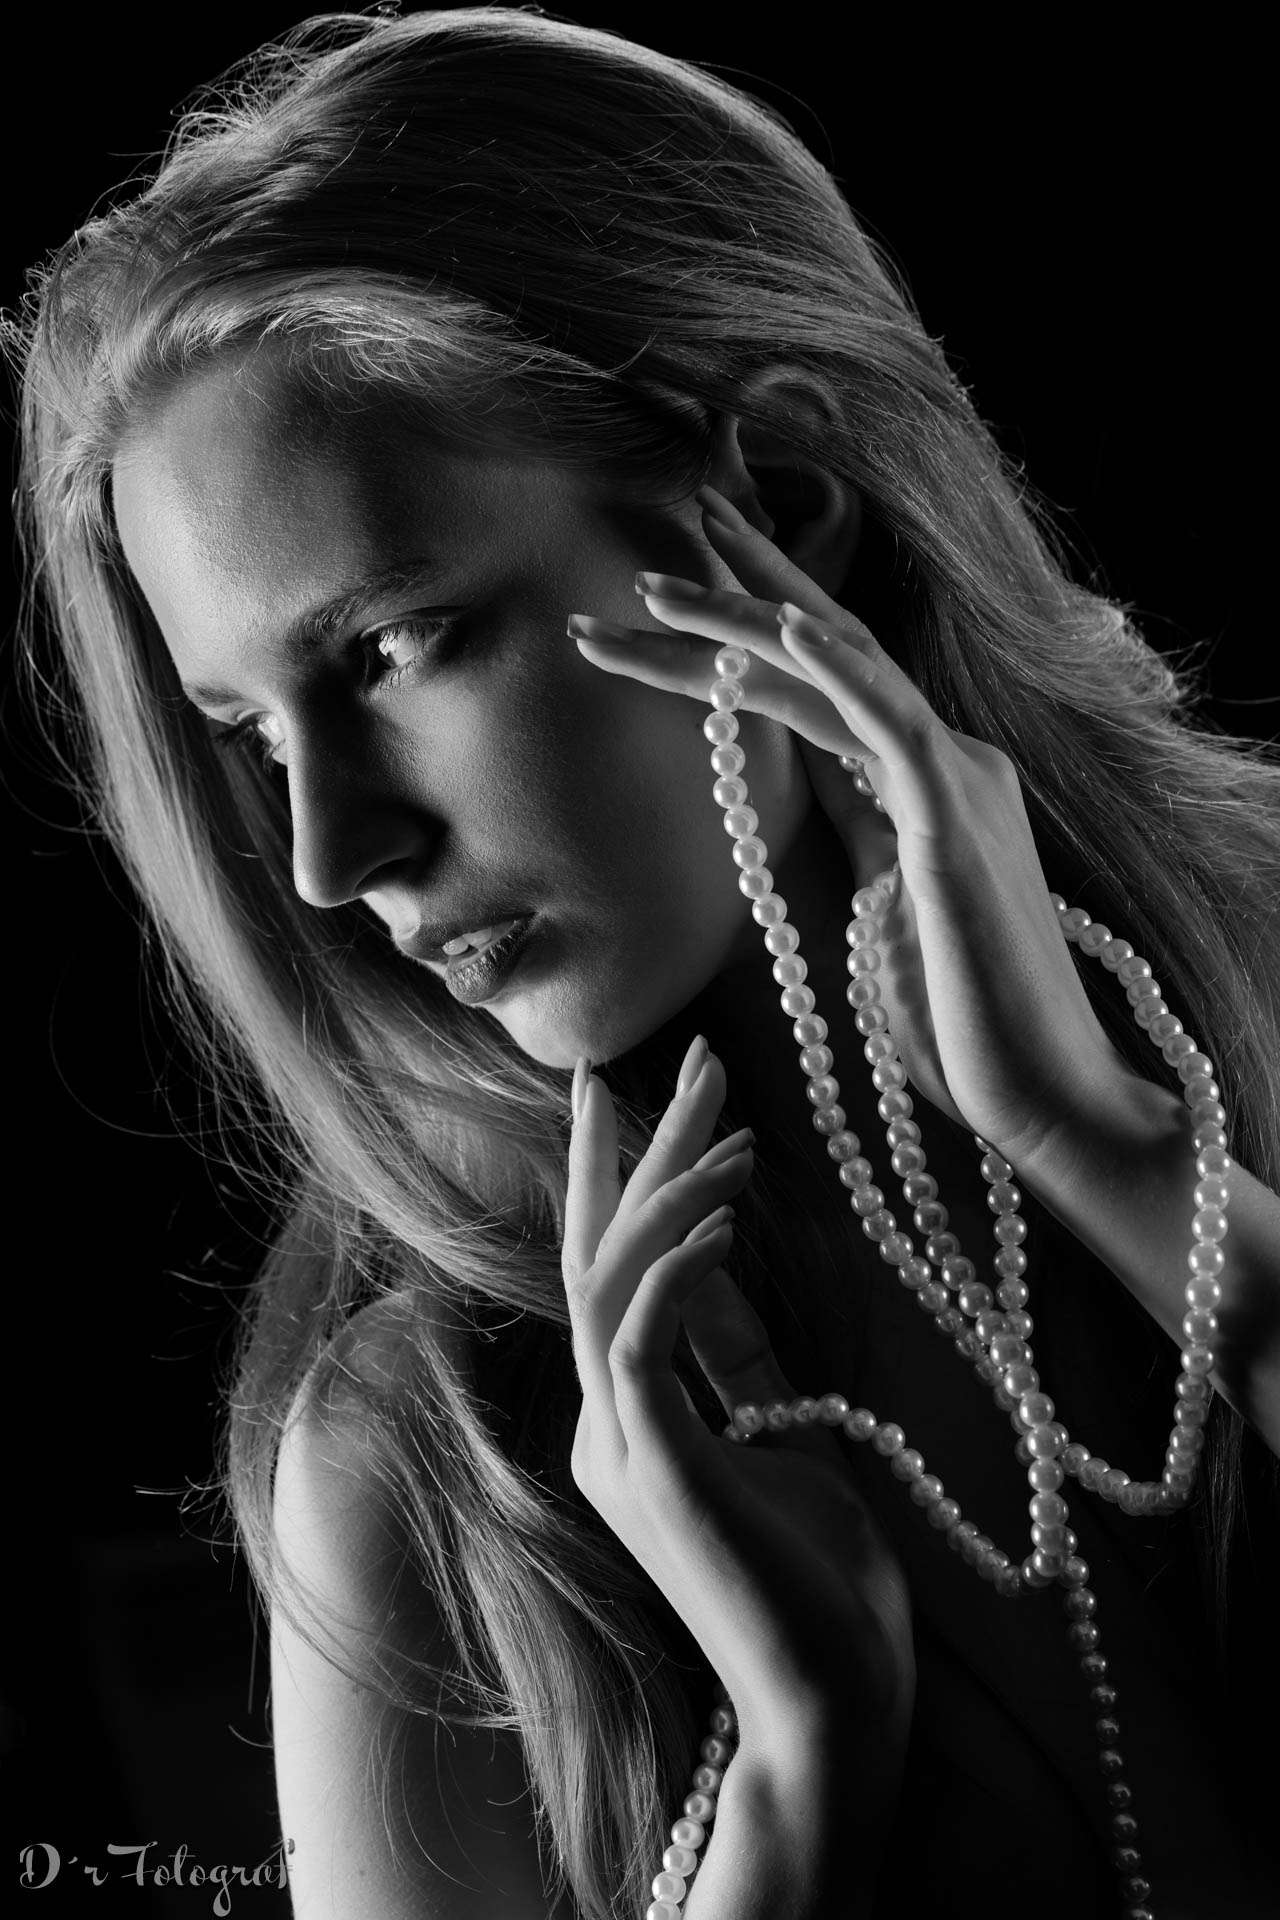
<point x="480" y="937"/>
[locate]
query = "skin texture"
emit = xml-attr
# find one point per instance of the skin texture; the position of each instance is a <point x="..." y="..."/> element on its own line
<point x="501" y="770"/>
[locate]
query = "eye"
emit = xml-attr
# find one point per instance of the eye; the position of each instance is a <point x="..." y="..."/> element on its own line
<point x="389" y="652"/>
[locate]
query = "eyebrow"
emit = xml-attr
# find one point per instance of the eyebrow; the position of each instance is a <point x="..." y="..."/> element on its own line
<point x="312" y="629"/>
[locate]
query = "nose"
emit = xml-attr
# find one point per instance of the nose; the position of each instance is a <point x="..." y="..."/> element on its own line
<point x="355" y="827"/>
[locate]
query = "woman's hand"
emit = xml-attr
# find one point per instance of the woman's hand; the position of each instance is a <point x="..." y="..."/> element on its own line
<point x="992" y="1020"/>
<point x="766" y="1552"/>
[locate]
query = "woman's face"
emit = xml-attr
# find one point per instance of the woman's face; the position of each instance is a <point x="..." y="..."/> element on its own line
<point x="394" y="616"/>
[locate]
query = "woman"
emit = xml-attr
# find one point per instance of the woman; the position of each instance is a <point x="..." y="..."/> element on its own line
<point x="438" y="333"/>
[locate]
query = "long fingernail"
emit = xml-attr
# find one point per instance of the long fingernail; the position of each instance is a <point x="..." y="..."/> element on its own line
<point x="712" y="1224"/>
<point x="692" y="1065"/>
<point x="668" y="586"/>
<point x="726" y="1149"/>
<point x="720" y="509"/>
<point x="581" y="1075"/>
<point x="802" y="626"/>
<point x="585" y="626"/>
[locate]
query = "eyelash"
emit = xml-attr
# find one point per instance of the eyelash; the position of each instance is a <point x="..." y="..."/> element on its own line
<point x="244" y="735"/>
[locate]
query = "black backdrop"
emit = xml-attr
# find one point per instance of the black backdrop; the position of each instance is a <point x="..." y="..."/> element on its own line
<point x="1074" y="214"/>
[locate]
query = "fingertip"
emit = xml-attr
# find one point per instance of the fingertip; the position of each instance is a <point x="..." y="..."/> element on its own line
<point x="581" y="1082"/>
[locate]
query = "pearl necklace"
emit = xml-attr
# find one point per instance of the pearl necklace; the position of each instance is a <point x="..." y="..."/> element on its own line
<point x="991" y="1330"/>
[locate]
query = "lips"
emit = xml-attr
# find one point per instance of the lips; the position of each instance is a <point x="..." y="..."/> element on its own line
<point x="476" y="974"/>
<point x="475" y="977"/>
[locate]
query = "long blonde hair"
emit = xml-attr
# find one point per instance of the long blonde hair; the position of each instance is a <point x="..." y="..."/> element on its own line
<point x="521" y="227"/>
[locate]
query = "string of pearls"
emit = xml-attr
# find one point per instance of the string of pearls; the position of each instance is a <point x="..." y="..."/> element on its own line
<point x="989" y="1327"/>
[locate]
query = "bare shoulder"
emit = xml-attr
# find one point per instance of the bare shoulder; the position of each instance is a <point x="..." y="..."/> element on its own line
<point x="391" y="1814"/>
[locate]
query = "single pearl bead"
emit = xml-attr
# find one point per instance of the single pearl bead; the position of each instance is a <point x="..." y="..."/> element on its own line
<point x="1211" y="1192"/>
<point x="857" y="1173"/>
<point x="1179" y="1047"/>
<point x="832" y="1409"/>
<point x="894" y="1105"/>
<point x="796" y="1000"/>
<point x="888" y="1438"/>
<point x="843" y="1146"/>
<point x="755" y="882"/>
<point x="823" y="1089"/>
<point x="1046" y="1476"/>
<point x="1012" y="1294"/>
<point x="1094" y="938"/>
<point x="726" y="695"/>
<point x="769" y="911"/>
<point x="1200" y="1327"/>
<point x="995" y="1167"/>
<point x="728" y="760"/>
<point x="863" y="960"/>
<point x="907" y="1464"/>
<point x="896" y="1250"/>
<point x="931" y="1216"/>
<point x="879" y="1225"/>
<point x="878" y="1046"/>
<point x="871" y="1019"/>
<point x="932" y="1297"/>
<point x="688" y="1833"/>
<point x="668" y="1886"/>
<point x="926" y="1490"/>
<point x="1010" y="1229"/>
<point x="1113" y="953"/>
<point x="680" y="1859"/>
<point x="750" y="852"/>
<point x="889" y="1076"/>
<point x="918" y="1187"/>
<point x="860" y="1424"/>
<point x="1073" y="922"/>
<point x="732" y="662"/>
<point x="741" y="822"/>
<point x="864" y="991"/>
<point x="782" y="939"/>
<point x="1010" y="1262"/>
<point x="1209" y="1223"/>
<point x="790" y="970"/>
<point x="809" y="1029"/>
<point x="974" y="1297"/>
<point x="1021" y="1380"/>
<point x="662" y="1910"/>
<point x="916" y="1272"/>
<point x="720" y="728"/>
<point x="829" y="1121"/>
<point x="729" y="791"/>
<point x="943" y="1514"/>
<point x="1194" y="1066"/>
<point x="1206" y="1258"/>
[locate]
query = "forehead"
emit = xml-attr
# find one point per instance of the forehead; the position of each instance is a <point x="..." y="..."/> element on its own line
<point x="240" y="499"/>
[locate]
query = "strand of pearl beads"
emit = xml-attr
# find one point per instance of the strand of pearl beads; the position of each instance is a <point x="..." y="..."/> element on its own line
<point x="690" y="1830"/>
<point x="997" y="1343"/>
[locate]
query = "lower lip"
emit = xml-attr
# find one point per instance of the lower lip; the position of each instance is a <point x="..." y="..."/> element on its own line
<point x="474" y="978"/>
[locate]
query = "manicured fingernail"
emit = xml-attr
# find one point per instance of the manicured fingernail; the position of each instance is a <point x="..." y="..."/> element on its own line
<point x="712" y="1224"/>
<point x="692" y="1065"/>
<point x="721" y="509"/>
<point x="668" y="586"/>
<point x="585" y="626"/>
<point x="802" y="626"/>
<point x="726" y="1149"/>
<point x="581" y="1075"/>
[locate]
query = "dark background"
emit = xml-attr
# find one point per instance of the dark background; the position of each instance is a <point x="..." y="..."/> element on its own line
<point x="1076" y="215"/>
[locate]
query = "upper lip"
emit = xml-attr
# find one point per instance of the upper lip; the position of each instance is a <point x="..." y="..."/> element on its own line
<point x="426" y="940"/>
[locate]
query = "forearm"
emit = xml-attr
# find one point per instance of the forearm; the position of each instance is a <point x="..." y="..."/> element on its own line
<point x="1122" y="1184"/>
<point x="794" y="1839"/>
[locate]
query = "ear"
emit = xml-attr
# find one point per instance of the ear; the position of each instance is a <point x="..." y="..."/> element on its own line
<point x="814" y="517"/>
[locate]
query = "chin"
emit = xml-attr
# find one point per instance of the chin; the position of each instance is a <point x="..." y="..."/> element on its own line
<point x="558" y="1027"/>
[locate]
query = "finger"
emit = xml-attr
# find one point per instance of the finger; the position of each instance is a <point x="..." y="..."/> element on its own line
<point x="791" y="698"/>
<point x="681" y="1135"/>
<point x="762" y="567"/>
<point x="731" y="1344"/>
<point x="680" y="656"/>
<point x="886" y="710"/>
<point x="652" y="1412"/>
<point x="594" y="1190"/>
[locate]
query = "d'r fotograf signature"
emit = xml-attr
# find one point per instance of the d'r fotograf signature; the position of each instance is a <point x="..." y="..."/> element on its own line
<point x="41" y="1864"/>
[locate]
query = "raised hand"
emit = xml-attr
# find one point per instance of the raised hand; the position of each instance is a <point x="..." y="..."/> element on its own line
<point x="767" y="1553"/>
<point x="991" y="1017"/>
